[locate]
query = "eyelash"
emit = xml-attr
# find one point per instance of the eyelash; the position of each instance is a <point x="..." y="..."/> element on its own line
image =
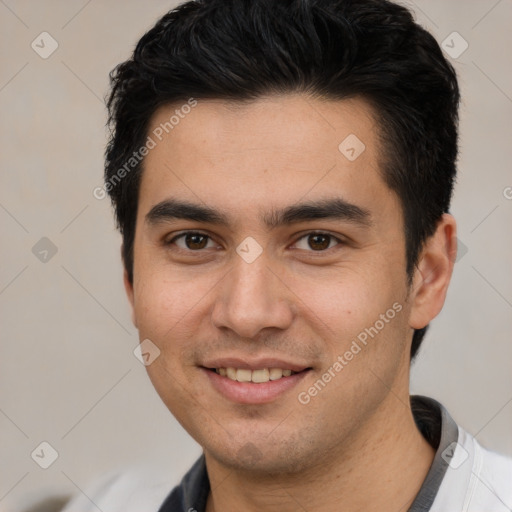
<point x="185" y="233"/>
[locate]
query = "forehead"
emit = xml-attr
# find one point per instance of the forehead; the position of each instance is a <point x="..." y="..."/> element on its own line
<point x="273" y="150"/>
<point x="294" y="122"/>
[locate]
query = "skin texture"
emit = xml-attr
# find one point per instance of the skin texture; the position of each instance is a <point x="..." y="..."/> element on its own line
<point x="354" y="446"/>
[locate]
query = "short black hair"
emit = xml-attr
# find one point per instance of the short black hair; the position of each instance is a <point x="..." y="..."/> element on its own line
<point x="242" y="50"/>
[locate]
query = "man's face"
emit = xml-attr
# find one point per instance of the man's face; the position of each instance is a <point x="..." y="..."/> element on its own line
<point x="214" y="299"/>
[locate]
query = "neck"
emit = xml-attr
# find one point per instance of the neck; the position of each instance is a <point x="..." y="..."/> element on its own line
<point x="381" y="468"/>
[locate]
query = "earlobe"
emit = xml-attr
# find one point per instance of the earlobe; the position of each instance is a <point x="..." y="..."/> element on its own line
<point x="433" y="273"/>
<point x="128" y="286"/>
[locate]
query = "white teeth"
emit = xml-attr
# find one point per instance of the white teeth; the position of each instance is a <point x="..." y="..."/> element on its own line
<point x="275" y="373"/>
<point x="260" y="375"/>
<point x="256" y="376"/>
<point x="243" y="375"/>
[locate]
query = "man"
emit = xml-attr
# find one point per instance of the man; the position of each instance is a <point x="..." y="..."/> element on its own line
<point x="281" y="174"/>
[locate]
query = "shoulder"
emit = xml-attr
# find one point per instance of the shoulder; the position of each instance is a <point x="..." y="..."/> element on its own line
<point x="476" y="479"/>
<point x="130" y="490"/>
<point x="492" y="479"/>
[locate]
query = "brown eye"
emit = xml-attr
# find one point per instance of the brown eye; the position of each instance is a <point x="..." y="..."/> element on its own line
<point x="192" y="241"/>
<point x="195" y="241"/>
<point x="317" y="242"/>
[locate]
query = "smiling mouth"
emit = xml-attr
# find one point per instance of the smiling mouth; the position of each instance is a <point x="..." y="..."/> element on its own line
<point x="259" y="376"/>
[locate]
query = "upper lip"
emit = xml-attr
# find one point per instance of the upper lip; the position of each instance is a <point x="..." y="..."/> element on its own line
<point x="254" y="364"/>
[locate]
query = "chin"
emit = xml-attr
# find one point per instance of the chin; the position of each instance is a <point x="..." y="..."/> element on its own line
<point x="263" y="457"/>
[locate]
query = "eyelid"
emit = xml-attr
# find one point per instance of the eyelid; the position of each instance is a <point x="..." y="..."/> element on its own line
<point x="338" y="239"/>
<point x="183" y="234"/>
<point x="307" y="232"/>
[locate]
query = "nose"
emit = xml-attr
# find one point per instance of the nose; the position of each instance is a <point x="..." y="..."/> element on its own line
<point x="252" y="297"/>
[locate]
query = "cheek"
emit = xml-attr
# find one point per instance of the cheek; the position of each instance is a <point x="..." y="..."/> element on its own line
<point x="168" y="313"/>
<point x="343" y="300"/>
<point x="360" y="315"/>
<point x="172" y="312"/>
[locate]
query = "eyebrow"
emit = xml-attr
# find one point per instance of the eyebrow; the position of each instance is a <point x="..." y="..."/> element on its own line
<point x="332" y="208"/>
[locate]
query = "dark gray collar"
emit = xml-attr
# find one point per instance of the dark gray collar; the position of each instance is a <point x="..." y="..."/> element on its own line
<point x="432" y="419"/>
<point x="440" y="430"/>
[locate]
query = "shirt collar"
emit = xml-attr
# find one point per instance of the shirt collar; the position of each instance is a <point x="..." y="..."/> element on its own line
<point x="441" y="431"/>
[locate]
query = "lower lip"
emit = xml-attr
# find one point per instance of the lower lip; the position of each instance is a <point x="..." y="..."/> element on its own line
<point x="250" y="392"/>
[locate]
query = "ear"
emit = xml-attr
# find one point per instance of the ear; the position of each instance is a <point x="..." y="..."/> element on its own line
<point x="433" y="273"/>
<point x="129" y="290"/>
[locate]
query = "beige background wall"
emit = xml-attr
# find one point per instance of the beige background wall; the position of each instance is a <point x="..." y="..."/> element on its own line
<point x="68" y="375"/>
